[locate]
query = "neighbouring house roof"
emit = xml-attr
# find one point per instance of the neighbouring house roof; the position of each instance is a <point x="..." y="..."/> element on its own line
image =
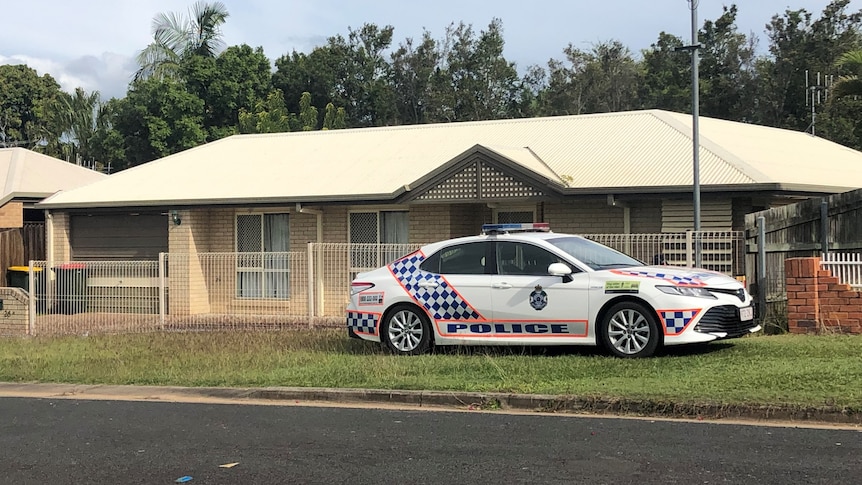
<point x="25" y="174"/>
<point x="638" y="151"/>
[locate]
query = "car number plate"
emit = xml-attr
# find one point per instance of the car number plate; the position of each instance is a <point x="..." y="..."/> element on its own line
<point x="746" y="313"/>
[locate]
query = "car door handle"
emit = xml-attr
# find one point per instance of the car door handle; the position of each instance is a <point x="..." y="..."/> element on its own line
<point x="428" y="284"/>
<point x="501" y="286"/>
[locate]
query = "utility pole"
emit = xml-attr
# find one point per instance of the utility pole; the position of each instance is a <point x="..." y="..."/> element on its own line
<point x="695" y="123"/>
<point x="695" y="110"/>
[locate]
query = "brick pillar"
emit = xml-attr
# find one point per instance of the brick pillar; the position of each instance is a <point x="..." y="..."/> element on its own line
<point x="817" y="302"/>
<point x="803" y="305"/>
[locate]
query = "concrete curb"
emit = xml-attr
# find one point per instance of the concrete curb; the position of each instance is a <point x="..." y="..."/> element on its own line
<point x="446" y="399"/>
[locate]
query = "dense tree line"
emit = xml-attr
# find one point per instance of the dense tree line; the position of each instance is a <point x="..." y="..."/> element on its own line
<point x="190" y="89"/>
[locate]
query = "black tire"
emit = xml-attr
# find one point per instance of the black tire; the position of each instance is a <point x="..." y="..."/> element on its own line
<point x="630" y="329"/>
<point x="406" y="331"/>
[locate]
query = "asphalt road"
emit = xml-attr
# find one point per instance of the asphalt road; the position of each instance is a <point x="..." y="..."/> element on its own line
<point x="57" y="441"/>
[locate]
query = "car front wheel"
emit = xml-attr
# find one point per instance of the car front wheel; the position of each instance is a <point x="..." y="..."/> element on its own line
<point x="629" y="329"/>
<point x="407" y="331"/>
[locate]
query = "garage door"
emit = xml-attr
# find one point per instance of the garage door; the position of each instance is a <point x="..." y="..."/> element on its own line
<point x="118" y="237"/>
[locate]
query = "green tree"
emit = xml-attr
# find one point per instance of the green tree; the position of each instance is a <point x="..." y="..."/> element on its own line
<point x="665" y="75"/>
<point x="604" y="79"/>
<point x="474" y="81"/>
<point x="157" y="118"/>
<point x="728" y="87"/>
<point x="77" y="118"/>
<point x="334" y="118"/>
<point x="798" y="44"/>
<point x="850" y="67"/>
<point x="298" y="73"/>
<point x="269" y="115"/>
<point x="350" y="72"/>
<point x="412" y="74"/>
<point x="237" y="79"/>
<point x="25" y="101"/>
<point x="307" y="113"/>
<point x="176" y="37"/>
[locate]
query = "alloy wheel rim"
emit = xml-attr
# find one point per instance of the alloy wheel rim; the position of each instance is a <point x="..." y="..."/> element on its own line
<point x="405" y="331"/>
<point x="629" y="331"/>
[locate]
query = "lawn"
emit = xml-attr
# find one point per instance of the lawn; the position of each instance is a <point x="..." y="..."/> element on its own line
<point x="774" y="370"/>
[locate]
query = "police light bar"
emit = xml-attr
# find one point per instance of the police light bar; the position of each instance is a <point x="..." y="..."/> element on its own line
<point x="516" y="227"/>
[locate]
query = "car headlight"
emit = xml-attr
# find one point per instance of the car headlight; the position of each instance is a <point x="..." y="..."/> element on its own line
<point x="686" y="291"/>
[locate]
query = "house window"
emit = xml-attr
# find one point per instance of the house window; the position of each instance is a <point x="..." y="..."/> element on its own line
<point x="263" y="270"/>
<point x="370" y="230"/>
<point x="515" y="215"/>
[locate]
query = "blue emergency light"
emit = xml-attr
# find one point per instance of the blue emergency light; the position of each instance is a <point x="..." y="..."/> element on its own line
<point x="516" y="227"/>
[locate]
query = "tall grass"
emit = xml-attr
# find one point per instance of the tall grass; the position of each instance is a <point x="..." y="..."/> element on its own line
<point x="783" y="369"/>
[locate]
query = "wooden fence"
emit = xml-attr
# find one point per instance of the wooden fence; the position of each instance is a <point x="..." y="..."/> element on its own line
<point x="805" y="229"/>
<point x="18" y="246"/>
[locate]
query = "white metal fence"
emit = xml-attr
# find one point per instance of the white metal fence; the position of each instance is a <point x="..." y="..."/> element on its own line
<point x="233" y="291"/>
<point x="846" y="266"/>
<point x="721" y="251"/>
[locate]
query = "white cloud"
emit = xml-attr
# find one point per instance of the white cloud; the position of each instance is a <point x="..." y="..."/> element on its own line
<point x="109" y="73"/>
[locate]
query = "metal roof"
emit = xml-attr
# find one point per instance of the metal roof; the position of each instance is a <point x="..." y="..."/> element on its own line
<point x="25" y="174"/>
<point x="649" y="150"/>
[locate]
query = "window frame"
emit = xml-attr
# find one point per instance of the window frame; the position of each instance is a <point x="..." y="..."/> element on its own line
<point x="263" y="258"/>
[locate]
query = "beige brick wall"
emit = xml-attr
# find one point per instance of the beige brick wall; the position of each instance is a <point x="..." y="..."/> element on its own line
<point x="430" y="223"/>
<point x="303" y="230"/>
<point x="61" y="246"/>
<point x="335" y="224"/>
<point x="15" y="315"/>
<point x="584" y="217"/>
<point x="12" y="215"/>
<point x="645" y="216"/>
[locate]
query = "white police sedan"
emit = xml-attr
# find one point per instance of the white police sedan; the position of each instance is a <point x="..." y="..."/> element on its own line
<point x="521" y="284"/>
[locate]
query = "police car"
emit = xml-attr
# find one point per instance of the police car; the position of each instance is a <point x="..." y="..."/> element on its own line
<point x="522" y="284"/>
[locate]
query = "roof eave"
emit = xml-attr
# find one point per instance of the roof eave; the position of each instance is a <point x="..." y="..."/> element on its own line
<point x="351" y="198"/>
<point x="675" y="189"/>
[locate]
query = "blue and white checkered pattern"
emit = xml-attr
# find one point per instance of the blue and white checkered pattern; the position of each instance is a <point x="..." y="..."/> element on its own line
<point x="365" y="323"/>
<point x="442" y="302"/>
<point x="679" y="280"/>
<point x="675" y="321"/>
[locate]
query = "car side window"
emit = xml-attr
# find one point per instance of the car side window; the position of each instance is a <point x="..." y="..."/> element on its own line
<point x="515" y="258"/>
<point x="466" y="258"/>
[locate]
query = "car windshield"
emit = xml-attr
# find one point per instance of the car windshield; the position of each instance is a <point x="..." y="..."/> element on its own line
<point x="596" y="256"/>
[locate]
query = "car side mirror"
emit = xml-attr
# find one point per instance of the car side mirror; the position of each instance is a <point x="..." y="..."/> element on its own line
<point x="562" y="270"/>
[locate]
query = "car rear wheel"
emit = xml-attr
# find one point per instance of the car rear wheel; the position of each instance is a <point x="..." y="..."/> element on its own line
<point x="407" y="331"/>
<point x="629" y="329"/>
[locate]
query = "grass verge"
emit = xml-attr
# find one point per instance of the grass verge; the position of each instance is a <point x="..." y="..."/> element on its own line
<point x="775" y="370"/>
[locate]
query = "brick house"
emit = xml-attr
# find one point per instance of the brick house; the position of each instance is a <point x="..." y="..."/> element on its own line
<point x="28" y="177"/>
<point x="628" y="172"/>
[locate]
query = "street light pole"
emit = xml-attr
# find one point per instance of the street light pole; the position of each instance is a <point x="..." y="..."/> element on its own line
<point x="695" y="113"/>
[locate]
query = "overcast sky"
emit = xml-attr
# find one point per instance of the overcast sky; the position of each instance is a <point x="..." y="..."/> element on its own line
<point x="93" y="43"/>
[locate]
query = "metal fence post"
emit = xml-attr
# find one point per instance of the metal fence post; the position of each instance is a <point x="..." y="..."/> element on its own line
<point x="162" y="283"/>
<point x="689" y="249"/>
<point x="761" y="265"/>
<point x="310" y="258"/>
<point x="824" y="227"/>
<point x="31" y="310"/>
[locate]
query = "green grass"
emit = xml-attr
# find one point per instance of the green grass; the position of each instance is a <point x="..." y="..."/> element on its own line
<point x="775" y="370"/>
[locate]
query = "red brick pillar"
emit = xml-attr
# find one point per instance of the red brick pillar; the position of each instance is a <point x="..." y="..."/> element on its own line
<point x="817" y="302"/>
<point x="803" y="302"/>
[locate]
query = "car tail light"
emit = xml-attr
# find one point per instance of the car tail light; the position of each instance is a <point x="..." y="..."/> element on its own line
<point x="359" y="287"/>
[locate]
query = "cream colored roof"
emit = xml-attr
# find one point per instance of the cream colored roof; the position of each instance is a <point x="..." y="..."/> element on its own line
<point x="25" y="174"/>
<point x="617" y="151"/>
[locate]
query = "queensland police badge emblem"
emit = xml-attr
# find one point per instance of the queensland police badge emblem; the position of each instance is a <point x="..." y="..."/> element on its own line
<point x="538" y="298"/>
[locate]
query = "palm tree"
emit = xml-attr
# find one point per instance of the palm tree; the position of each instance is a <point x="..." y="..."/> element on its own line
<point x="176" y="37"/>
<point x="849" y="84"/>
<point x="75" y="119"/>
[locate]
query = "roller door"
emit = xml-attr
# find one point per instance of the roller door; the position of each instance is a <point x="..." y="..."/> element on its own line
<point x="118" y="237"/>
